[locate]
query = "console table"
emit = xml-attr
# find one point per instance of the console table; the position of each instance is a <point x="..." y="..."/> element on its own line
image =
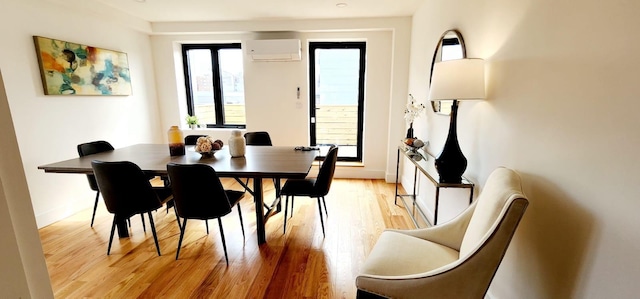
<point x="424" y="162"/>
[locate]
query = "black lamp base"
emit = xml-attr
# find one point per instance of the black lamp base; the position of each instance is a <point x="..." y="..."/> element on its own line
<point x="451" y="163"/>
<point x="450" y="168"/>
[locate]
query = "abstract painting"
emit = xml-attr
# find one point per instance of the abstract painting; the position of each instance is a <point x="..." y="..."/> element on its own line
<point x="74" y="69"/>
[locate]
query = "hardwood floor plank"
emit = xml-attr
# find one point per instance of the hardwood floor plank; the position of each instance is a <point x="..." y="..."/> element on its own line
<point x="299" y="264"/>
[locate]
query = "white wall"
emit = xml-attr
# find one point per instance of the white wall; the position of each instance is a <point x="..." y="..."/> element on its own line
<point x="49" y="127"/>
<point x="270" y="87"/>
<point x="23" y="273"/>
<point x="562" y="81"/>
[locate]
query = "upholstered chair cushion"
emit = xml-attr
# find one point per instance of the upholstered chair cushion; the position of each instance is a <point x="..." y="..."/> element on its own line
<point x="404" y="249"/>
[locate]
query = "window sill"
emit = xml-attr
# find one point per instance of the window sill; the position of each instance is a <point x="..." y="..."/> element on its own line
<point x="188" y="129"/>
<point x="349" y="164"/>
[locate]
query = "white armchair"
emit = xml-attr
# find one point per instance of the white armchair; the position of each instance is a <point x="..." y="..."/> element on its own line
<point x="457" y="259"/>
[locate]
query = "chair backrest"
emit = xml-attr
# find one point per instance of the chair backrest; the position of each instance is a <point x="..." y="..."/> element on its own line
<point x="192" y="139"/>
<point x="258" y="138"/>
<point x="125" y="188"/>
<point x="502" y="188"/>
<point x="325" y="175"/>
<point x="197" y="191"/>
<point x="90" y="148"/>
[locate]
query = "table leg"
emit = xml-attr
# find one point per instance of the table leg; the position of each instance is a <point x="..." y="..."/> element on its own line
<point x="435" y="213"/>
<point x="395" y="201"/>
<point x="257" y="196"/>
<point x="471" y="195"/>
<point x="415" y="181"/>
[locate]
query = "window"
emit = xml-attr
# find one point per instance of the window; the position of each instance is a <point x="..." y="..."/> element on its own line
<point x="337" y="74"/>
<point x="215" y="84"/>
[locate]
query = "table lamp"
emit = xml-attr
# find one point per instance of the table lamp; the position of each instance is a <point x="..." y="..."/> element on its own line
<point x="457" y="80"/>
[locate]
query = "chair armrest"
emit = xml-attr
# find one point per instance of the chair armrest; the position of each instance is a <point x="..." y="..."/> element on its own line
<point x="449" y="234"/>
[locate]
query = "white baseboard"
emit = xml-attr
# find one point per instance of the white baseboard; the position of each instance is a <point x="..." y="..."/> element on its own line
<point x="61" y="212"/>
<point x="352" y="173"/>
<point x="390" y="177"/>
<point x="356" y="173"/>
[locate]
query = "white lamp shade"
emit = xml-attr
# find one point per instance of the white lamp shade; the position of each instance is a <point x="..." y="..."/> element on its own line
<point x="460" y="79"/>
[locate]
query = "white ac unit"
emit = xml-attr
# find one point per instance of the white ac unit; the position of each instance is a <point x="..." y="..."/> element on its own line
<point x="274" y="49"/>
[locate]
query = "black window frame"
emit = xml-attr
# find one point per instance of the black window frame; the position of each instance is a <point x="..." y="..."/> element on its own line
<point x="362" y="46"/>
<point x="217" y="81"/>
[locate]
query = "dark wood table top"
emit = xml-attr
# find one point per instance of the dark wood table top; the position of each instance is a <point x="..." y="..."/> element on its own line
<point x="259" y="161"/>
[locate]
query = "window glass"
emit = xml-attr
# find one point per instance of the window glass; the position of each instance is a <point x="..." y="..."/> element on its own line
<point x="215" y="84"/>
<point x="231" y="72"/>
<point x="202" y="85"/>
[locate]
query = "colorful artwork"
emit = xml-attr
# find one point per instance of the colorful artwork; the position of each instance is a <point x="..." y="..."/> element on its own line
<point x="75" y="69"/>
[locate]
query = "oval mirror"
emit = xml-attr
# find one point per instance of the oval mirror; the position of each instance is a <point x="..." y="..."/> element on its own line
<point x="450" y="46"/>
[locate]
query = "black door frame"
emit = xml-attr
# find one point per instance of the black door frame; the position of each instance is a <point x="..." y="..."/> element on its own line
<point x="362" y="46"/>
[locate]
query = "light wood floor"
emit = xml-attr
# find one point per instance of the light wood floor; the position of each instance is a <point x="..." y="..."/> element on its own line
<point x="298" y="264"/>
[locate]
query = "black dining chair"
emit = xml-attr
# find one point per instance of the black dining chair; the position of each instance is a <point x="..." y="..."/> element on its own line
<point x="199" y="194"/>
<point x="94" y="147"/>
<point x="126" y="191"/>
<point x="261" y="138"/>
<point x="312" y="187"/>
<point x="192" y="139"/>
<point x="89" y="148"/>
<point x="258" y="138"/>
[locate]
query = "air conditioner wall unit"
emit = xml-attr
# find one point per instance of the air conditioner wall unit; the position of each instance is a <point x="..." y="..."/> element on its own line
<point x="274" y="49"/>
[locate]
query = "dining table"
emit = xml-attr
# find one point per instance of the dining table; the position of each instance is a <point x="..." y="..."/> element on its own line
<point x="259" y="162"/>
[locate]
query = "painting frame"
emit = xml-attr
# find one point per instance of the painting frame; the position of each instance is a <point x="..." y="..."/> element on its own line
<point x="68" y="68"/>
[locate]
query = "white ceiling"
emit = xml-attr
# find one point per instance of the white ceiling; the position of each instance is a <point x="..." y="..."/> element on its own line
<point x="243" y="10"/>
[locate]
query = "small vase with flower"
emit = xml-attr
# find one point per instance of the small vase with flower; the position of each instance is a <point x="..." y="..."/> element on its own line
<point x="411" y="112"/>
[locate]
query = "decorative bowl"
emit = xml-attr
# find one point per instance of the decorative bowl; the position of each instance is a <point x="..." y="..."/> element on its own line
<point x="413" y="144"/>
<point x="207" y="154"/>
<point x="412" y="148"/>
<point x="207" y="147"/>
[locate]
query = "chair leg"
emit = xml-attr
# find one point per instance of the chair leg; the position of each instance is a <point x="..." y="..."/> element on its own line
<point x="155" y="236"/>
<point x="292" y="199"/>
<point x="144" y="227"/>
<point x="95" y="207"/>
<point x="286" y="210"/>
<point x="224" y="243"/>
<point x="113" y="230"/>
<point x="182" y="229"/>
<point x="320" y="210"/>
<point x="241" y="222"/>
<point x="175" y="211"/>
<point x="276" y="185"/>
<point x="360" y="294"/>
<point x="324" y="203"/>
<point x="206" y="222"/>
<point x="170" y="204"/>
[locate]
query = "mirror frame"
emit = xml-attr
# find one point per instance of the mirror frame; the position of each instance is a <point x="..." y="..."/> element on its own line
<point x="437" y="105"/>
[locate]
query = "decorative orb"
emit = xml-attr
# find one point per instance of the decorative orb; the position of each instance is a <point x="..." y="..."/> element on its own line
<point x="418" y="143"/>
